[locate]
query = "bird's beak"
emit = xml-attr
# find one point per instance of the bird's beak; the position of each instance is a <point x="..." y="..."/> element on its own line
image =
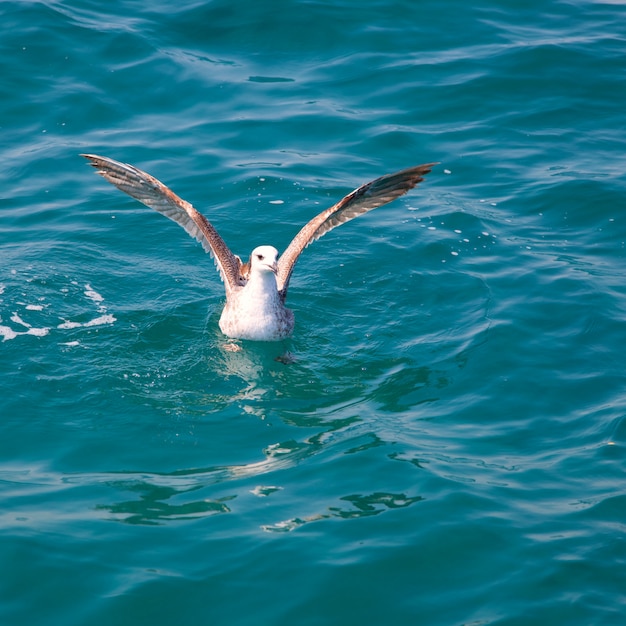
<point x="274" y="267"/>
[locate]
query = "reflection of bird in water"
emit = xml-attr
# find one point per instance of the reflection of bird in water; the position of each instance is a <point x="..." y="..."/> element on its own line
<point x="256" y="290"/>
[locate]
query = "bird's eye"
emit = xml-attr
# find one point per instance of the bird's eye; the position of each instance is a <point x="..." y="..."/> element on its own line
<point x="260" y="257"/>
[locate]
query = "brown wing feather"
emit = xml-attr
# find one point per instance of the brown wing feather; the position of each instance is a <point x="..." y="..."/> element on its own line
<point x="365" y="198"/>
<point x="156" y="195"/>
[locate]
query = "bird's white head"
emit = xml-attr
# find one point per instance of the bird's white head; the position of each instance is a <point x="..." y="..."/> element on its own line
<point x="264" y="259"/>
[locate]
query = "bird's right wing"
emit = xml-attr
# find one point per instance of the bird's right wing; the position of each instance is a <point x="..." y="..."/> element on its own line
<point x="156" y="195"/>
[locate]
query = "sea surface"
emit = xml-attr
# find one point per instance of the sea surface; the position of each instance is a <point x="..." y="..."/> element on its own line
<point x="443" y="439"/>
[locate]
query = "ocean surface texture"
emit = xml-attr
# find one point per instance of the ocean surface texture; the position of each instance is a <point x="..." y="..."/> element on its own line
<point x="443" y="439"/>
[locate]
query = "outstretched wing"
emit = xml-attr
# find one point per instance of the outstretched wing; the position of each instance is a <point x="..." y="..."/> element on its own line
<point x="365" y="198"/>
<point x="156" y="195"/>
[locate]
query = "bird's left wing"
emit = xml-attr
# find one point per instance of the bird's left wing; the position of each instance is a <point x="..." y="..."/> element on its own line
<point x="156" y="195"/>
<point x="365" y="198"/>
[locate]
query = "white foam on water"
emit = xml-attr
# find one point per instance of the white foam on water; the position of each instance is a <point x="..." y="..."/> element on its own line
<point x="100" y="321"/>
<point x="8" y="333"/>
<point x="23" y="327"/>
<point x="18" y="320"/>
<point x="38" y="332"/>
<point x="93" y="295"/>
<point x="67" y="325"/>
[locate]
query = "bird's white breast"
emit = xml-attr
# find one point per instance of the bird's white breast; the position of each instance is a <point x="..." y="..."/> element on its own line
<point x="256" y="312"/>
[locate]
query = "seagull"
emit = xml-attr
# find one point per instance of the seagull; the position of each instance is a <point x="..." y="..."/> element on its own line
<point x="255" y="291"/>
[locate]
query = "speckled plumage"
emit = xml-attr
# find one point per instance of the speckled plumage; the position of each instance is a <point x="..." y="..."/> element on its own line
<point x="255" y="291"/>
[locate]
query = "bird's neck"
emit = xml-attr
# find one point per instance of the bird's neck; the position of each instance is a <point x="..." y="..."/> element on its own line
<point x="262" y="283"/>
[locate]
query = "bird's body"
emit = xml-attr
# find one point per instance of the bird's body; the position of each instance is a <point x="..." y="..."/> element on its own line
<point x="255" y="291"/>
<point x="256" y="310"/>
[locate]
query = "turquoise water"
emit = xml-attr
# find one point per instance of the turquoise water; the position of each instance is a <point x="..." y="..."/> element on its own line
<point x="445" y="443"/>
